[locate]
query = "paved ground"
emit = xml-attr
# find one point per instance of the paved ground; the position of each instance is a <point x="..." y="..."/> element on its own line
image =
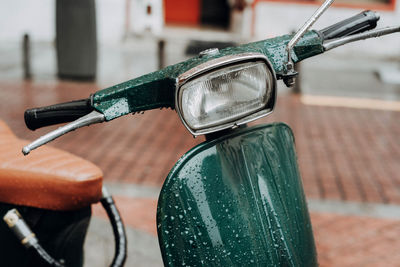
<point x="341" y="241"/>
<point x="348" y="157"/>
<point x="347" y="234"/>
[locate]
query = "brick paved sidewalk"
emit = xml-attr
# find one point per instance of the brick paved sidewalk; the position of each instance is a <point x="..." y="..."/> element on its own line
<point x="344" y="153"/>
<point x="356" y="241"/>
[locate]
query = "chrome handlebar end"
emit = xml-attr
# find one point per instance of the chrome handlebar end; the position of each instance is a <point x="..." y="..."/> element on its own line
<point x="330" y="44"/>
<point x="91" y="118"/>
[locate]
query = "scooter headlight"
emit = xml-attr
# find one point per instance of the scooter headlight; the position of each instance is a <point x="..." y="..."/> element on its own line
<point x="226" y="92"/>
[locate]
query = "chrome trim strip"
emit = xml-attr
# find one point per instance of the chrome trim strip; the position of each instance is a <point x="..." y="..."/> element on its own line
<point x="216" y="64"/>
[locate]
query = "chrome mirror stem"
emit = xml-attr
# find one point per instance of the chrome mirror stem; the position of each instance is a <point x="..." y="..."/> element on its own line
<point x="289" y="66"/>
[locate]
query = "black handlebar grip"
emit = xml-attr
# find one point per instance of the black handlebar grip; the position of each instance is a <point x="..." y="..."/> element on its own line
<point x="364" y="21"/>
<point x="65" y="112"/>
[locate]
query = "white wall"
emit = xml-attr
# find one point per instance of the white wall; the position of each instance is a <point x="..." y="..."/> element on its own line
<point x="273" y="19"/>
<point x="110" y="20"/>
<point x="20" y="16"/>
<point x="38" y="19"/>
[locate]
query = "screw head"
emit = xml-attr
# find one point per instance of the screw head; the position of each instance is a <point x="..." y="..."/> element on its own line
<point x="289" y="68"/>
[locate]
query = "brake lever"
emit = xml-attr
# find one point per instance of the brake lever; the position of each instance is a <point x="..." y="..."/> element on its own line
<point x="91" y="118"/>
<point x="333" y="43"/>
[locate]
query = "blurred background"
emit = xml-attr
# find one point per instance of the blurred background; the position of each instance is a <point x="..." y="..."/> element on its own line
<point x="344" y="110"/>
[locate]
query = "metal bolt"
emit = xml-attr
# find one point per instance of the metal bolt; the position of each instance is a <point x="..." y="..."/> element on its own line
<point x="290" y="81"/>
<point x="289" y="68"/>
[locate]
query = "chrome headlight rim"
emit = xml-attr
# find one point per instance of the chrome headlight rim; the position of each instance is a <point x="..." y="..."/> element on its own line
<point x="219" y="63"/>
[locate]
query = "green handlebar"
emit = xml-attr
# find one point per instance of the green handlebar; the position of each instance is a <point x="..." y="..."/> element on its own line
<point x="157" y="89"/>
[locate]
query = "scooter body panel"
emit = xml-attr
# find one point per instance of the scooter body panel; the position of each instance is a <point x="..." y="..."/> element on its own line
<point x="237" y="201"/>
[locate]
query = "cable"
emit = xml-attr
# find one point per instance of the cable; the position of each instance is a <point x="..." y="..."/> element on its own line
<point x="118" y="228"/>
<point x="28" y="238"/>
<point x="42" y="253"/>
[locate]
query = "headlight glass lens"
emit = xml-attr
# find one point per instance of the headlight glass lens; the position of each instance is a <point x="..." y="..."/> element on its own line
<point x="226" y="94"/>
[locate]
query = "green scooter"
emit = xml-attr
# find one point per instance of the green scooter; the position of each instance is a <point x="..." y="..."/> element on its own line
<point x="237" y="198"/>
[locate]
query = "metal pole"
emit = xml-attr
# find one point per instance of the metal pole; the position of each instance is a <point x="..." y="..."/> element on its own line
<point x="26" y="57"/>
<point x="127" y="19"/>
<point x="161" y="53"/>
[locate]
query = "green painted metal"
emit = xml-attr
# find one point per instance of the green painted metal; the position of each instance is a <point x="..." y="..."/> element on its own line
<point x="237" y="201"/>
<point x="157" y="89"/>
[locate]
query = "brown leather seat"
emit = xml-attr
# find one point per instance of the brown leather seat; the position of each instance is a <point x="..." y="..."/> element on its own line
<point x="48" y="178"/>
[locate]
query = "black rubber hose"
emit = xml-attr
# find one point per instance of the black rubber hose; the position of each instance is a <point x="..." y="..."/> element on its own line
<point x="42" y="253"/>
<point x="366" y="20"/>
<point x="118" y="229"/>
<point x="36" y="118"/>
<point x="28" y="239"/>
